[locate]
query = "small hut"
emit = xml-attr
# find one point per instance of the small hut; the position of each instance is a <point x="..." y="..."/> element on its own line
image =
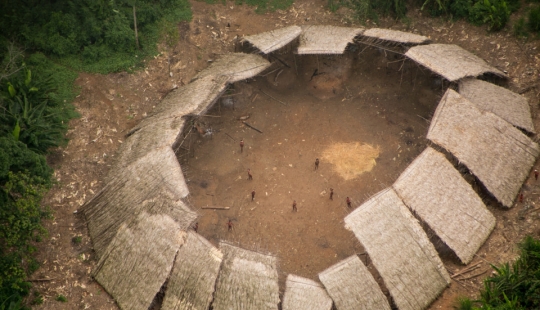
<point x="270" y="41"/>
<point x="352" y="287"/>
<point x="395" y="36"/>
<point x="247" y="280"/>
<point x="434" y="190"/>
<point x="193" y="278"/>
<point x="500" y="101"/>
<point x="450" y="61"/>
<point x="142" y="252"/>
<point x="326" y="39"/>
<point x="305" y="294"/>
<point x="153" y="184"/>
<point x="237" y="66"/>
<point x="400" y="250"/>
<point x="496" y="152"/>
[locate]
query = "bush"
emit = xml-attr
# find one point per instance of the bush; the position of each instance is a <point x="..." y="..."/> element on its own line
<point x="494" y="13"/>
<point x="533" y="21"/>
<point x="265" y="5"/>
<point x="32" y="110"/>
<point x="515" y="286"/>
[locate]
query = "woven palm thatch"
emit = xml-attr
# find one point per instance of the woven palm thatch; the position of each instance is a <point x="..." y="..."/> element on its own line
<point x="247" y="280"/>
<point x="439" y="195"/>
<point x="496" y="152"/>
<point x="305" y="294"/>
<point x="162" y="128"/>
<point x="236" y="66"/>
<point x="326" y="39"/>
<point x="450" y="61"/>
<point x="352" y="287"/>
<point x="399" y="249"/>
<point x="192" y="280"/>
<point x="270" y="41"/>
<point x="502" y="102"/>
<point x="153" y="184"/>
<point x="396" y="36"/>
<point x="139" y="259"/>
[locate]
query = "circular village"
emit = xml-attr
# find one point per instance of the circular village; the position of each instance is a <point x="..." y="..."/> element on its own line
<point x="314" y="167"/>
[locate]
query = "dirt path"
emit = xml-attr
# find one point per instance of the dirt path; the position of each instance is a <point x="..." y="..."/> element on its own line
<point x="110" y="105"/>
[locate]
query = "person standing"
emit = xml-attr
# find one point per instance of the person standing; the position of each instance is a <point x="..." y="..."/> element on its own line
<point x="294" y="206"/>
<point x="331" y="193"/>
<point x="230" y="225"/>
<point x="252" y="195"/>
<point x="316" y="163"/>
<point x="241" y="145"/>
<point x="349" y="202"/>
<point x="250" y="177"/>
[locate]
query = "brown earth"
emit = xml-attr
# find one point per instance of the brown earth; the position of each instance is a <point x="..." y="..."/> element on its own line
<point x="373" y="104"/>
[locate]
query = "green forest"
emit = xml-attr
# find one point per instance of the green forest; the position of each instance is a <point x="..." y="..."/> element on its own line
<point x="45" y="43"/>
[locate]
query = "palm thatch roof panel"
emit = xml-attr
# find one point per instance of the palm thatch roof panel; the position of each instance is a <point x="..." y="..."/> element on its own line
<point x="270" y="41"/>
<point x="352" y="287"/>
<point x="450" y="61"/>
<point x="153" y="184"/>
<point x="496" y="152"/>
<point x="439" y="195"/>
<point x="396" y="36"/>
<point x="500" y="101"/>
<point x="319" y="39"/>
<point x="247" y="280"/>
<point x="235" y="66"/>
<point x="139" y="259"/>
<point x="305" y="294"/>
<point x="399" y="249"/>
<point x="192" y="280"/>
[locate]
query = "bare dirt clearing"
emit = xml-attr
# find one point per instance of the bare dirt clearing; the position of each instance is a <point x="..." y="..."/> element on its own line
<point x="110" y="105"/>
<point x="371" y="108"/>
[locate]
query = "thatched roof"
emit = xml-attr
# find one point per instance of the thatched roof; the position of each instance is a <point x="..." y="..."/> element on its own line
<point x="247" y="280"/>
<point x="153" y="184"/>
<point x="496" y="152"/>
<point x="352" y="287"/>
<point x="399" y="249"/>
<point x="439" y="195"/>
<point x="162" y="128"/>
<point x="450" y="61"/>
<point x="142" y="252"/>
<point x="326" y="39"/>
<point x="396" y="36"/>
<point x="270" y="41"/>
<point x="193" y="278"/>
<point x="500" y="101"/>
<point x="305" y="294"/>
<point x="236" y="66"/>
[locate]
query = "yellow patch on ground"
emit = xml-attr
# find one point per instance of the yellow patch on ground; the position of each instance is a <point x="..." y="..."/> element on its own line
<point x="351" y="159"/>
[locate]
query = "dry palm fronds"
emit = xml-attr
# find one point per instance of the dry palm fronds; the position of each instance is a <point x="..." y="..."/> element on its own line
<point x="352" y="287"/>
<point x="496" y="152"/>
<point x="399" y="249"/>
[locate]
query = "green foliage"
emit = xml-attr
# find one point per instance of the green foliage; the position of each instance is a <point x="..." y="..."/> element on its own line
<point x="264" y="6"/>
<point x="519" y="28"/>
<point x="370" y="9"/>
<point x="90" y="35"/>
<point x="533" y="21"/>
<point x="61" y="298"/>
<point x="31" y="108"/>
<point x="76" y="240"/>
<point x="494" y="13"/>
<point x="515" y="286"/>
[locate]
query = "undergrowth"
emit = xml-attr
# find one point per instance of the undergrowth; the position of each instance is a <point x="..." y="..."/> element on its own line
<point x="512" y="286"/>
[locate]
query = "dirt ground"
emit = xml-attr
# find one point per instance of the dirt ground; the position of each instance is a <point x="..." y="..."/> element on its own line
<point x="372" y="103"/>
<point x="355" y="115"/>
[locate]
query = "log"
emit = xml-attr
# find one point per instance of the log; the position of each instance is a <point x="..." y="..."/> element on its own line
<point x="252" y="127"/>
<point x="216" y="208"/>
